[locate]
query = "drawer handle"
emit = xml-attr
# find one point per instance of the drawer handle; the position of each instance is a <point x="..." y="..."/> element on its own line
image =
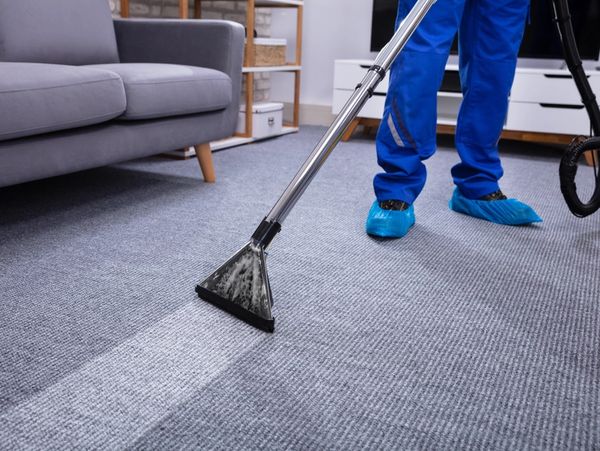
<point x="561" y="76"/>
<point x="271" y="121"/>
<point x="562" y="107"/>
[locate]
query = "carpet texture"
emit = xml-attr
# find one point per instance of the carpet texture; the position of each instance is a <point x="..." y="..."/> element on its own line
<point x="463" y="335"/>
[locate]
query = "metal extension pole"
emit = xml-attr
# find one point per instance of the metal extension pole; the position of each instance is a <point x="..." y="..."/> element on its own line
<point x="241" y="285"/>
<point x="361" y="94"/>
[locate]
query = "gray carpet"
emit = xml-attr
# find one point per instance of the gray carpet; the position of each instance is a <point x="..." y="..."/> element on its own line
<point x="463" y="335"/>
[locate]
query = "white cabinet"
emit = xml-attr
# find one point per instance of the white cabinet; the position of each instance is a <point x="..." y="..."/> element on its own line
<point x="535" y="87"/>
<point x="348" y="73"/>
<point x="542" y="100"/>
<point x="547" y="101"/>
<point x="548" y="118"/>
<point x="373" y="109"/>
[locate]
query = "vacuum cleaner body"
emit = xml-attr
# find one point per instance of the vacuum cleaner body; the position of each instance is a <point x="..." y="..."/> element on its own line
<point x="241" y="285"/>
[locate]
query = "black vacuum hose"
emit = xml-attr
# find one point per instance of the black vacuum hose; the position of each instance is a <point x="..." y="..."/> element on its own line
<point x="568" y="172"/>
<point x="562" y="17"/>
<point x="568" y="165"/>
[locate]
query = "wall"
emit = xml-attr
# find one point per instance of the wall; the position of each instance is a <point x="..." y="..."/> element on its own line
<point x="228" y="10"/>
<point x="333" y="29"/>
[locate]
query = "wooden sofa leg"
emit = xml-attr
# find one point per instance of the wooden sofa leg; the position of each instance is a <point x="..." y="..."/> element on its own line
<point x="204" y="155"/>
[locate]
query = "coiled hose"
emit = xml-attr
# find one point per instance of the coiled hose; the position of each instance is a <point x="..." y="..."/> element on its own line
<point x="568" y="172"/>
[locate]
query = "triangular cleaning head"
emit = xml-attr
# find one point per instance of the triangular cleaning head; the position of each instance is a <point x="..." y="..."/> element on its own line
<point x="241" y="287"/>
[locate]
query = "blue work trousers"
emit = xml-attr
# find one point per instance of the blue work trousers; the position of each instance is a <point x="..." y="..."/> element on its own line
<point x="490" y="34"/>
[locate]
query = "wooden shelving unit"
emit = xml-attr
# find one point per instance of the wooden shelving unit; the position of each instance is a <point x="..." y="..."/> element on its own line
<point x="249" y="71"/>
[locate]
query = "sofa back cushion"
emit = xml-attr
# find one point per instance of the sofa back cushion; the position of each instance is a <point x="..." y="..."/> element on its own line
<point x="73" y="32"/>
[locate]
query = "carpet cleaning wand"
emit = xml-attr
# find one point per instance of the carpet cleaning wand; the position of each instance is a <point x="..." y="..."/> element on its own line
<point x="241" y="286"/>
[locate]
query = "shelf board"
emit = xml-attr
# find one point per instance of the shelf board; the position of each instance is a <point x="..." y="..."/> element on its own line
<point x="278" y="3"/>
<point x="233" y="141"/>
<point x="286" y="68"/>
<point x="229" y="142"/>
<point x="454" y="95"/>
<point x="274" y="3"/>
<point x="446" y="121"/>
<point x="240" y="140"/>
<point x="288" y="129"/>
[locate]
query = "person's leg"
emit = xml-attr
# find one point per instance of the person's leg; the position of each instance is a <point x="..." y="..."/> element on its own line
<point x="407" y="134"/>
<point x="490" y="35"/>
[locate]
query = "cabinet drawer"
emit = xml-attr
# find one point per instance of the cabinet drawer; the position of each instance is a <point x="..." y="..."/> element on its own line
<point x="373" y="109"/>
<point x="545" y="88"/>
<point x="534" y="117"/>
<point x="348" y="75"/>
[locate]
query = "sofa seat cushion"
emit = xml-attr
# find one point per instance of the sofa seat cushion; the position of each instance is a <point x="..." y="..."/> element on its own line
<point x="40" y="98"/>
<point x="162" y="90"/>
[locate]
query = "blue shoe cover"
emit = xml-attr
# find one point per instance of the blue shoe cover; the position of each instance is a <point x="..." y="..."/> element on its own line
<point x="389" y="223"/>
<point x="507" y="212"/>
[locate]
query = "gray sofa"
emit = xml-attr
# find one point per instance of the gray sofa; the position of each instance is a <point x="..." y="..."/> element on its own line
<point x="80" y="90"/>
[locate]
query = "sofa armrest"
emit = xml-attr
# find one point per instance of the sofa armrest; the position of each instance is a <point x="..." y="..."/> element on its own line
<point x="216" y="44"/>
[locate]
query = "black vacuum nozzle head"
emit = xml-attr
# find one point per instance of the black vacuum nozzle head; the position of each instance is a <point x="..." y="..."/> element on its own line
<point x="241" y="287"/>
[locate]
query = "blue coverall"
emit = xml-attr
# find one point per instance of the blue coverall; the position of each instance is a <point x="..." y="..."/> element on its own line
<point x="490" y="33"/>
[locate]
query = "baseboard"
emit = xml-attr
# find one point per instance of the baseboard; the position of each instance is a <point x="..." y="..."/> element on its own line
<point x="312" y="114"/>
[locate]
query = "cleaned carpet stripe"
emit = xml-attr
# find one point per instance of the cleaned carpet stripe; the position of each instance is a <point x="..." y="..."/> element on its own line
<point x="114" y="399"/>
